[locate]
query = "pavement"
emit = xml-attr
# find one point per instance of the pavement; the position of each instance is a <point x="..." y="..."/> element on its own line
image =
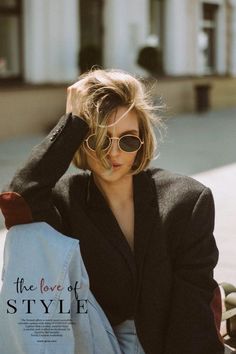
<point x="202" y="146"/>
<point x="222" y="183"/>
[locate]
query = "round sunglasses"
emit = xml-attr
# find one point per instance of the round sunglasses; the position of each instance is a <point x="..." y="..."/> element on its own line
<point x="126" y="143"/>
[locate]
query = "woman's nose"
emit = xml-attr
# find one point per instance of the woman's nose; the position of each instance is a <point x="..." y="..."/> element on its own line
<point x="114" y="148"/>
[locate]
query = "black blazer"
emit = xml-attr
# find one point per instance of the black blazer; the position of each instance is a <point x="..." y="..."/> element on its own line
<point x="167" y="285"/>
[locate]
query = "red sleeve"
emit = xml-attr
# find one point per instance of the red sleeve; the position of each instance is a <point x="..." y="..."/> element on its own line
<point x="15" y="209"/>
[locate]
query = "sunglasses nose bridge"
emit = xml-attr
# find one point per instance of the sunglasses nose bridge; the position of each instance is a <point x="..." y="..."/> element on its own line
<point x="114" y="147"/>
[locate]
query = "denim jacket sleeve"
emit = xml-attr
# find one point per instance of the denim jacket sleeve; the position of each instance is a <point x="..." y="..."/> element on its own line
<point x="60" y="296"/>
<point x="28" y="197"/>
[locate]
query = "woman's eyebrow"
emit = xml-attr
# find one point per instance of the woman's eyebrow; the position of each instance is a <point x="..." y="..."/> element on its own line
<point x="133" y="131"/>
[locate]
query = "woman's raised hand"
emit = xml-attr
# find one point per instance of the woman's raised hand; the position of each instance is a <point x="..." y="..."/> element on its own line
<point x="75" y="98"/>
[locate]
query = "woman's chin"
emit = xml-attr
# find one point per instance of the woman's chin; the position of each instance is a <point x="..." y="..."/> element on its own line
<point x="114" y="174"/>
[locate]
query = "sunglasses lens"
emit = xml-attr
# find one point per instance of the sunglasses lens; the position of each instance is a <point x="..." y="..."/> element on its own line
<point x="130" y="143"/>
<point x="92" y="143"/>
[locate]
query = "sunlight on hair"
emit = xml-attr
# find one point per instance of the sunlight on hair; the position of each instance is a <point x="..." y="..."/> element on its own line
<point x="101" y="93"/>
<point x="118" y="120"/>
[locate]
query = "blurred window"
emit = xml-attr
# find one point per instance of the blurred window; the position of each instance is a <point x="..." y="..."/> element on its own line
<point x="91" y="23"/>
<point x="156" y="23"/>
<point x="91" y="34"/>
<point x="10" y="39"/>
<point x="207" y="38"/>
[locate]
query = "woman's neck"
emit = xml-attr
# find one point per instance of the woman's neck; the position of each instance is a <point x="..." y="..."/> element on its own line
<point x="116" y="193"/>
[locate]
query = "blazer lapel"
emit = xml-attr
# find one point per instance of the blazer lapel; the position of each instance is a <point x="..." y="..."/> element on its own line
<point x="105" y="222"/>
<point x="150" y="238"/>
<point x="146" y="216"/>
<point x="146" y="224"/>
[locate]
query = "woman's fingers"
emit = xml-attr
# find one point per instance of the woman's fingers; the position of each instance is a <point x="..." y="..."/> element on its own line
<point x="68" y="101"/>
<point x="72" y="103"/>
<point x="76" y="95"/>
<point x="76" y="101"/>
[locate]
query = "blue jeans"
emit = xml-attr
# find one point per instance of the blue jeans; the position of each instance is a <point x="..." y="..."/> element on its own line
<point x="127" y="337"/>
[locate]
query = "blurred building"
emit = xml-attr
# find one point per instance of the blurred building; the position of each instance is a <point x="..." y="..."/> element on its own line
<point x="43" y="44"/>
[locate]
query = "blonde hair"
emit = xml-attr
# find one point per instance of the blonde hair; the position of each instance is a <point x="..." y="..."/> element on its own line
<point x="102" y="92"/>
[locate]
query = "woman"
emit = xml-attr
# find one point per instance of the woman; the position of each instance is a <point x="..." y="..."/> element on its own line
<point x="146" y="235"/>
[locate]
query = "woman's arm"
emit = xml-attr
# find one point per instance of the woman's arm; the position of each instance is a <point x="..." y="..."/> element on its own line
<point x="195" y="315"/>
<point x="28" y="197"/>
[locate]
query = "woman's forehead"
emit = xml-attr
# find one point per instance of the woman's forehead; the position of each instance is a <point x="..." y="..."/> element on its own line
<point x="128" y="122"/>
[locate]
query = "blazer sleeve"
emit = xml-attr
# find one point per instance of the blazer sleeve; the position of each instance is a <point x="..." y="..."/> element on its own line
<point x="195" y="315"/>
<point x="28" y="197"/>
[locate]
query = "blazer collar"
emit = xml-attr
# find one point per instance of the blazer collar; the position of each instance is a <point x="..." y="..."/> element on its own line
<point x="145" y="224"/>
<point x="143" y="192"/>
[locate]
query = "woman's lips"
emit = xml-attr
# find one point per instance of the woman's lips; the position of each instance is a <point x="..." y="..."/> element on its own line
<point x="116" y="165"/>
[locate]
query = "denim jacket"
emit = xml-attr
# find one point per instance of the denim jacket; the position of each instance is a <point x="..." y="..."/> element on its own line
<point x="63" y="317"/>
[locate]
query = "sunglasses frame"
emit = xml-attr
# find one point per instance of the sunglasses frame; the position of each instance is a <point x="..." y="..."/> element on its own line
<point x="116" y="138"/>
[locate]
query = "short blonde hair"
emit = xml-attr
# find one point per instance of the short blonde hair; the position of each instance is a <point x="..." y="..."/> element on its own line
<point x="102" y="92"/>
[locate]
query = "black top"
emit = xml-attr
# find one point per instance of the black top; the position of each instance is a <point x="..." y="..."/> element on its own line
<point x="167" y="285"/>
